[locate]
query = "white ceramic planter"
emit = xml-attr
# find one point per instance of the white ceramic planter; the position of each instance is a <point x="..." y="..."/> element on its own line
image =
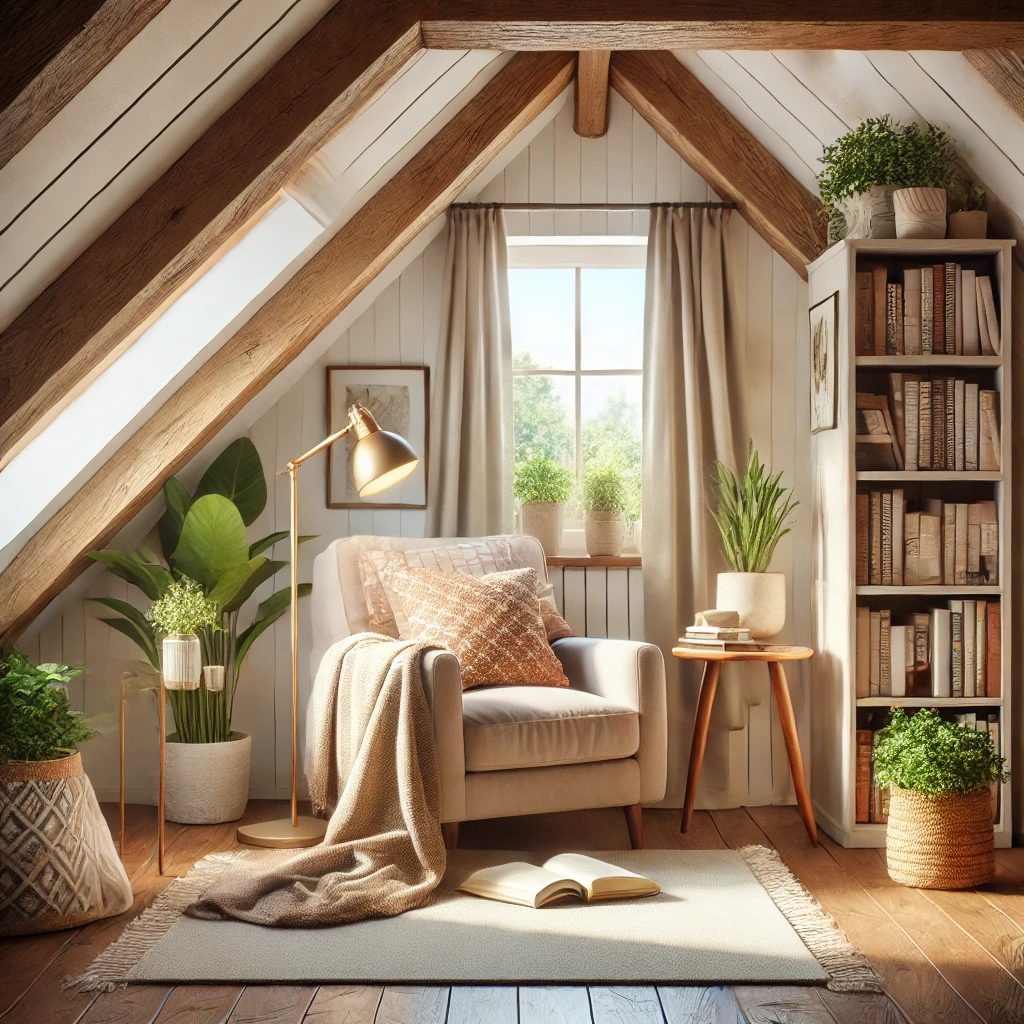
<point x="543" y="520"/>
<point x="967" y="224"/>
<point x="207" y="783"/>
<point x="869" y="214"/>
<point x="920" y="212"/>
<point x="213" y="678"/>
<point x="605" y="533"/>
<point x="759" y="597"/>
<point x="181" y="661"/>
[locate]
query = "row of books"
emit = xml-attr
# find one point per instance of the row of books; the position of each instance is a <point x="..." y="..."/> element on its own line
<point x="872" y="802"/>
<point x="954" y="544"/>
<point x="944" y="309"/>
<point x="720" y="638"/>
<point x="946" y="423"/>
<point x="944" y="652"/>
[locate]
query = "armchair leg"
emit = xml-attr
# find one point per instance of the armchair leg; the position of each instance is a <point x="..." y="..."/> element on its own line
<point x="635" y="824"/>
<point x="450" y="831"/>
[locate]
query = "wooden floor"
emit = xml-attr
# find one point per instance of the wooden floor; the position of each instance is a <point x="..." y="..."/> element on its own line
<point x="947" y="958"/>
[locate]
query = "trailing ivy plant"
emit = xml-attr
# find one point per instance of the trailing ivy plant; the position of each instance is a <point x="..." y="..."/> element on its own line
<point x="541" y="479"/>
<point x="753" y="514"/>
<point x="926" y="753"/>
<point x="880" y="151"/>
<point x="604" y="489"/>
<point x="37" y="722"/>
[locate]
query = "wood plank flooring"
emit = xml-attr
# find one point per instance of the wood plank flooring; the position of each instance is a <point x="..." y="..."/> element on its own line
<point x="944" y="958"/>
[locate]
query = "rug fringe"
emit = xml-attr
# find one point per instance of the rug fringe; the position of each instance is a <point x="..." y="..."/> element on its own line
<point x="847" y="968"/>
<point x="110" y="969"/>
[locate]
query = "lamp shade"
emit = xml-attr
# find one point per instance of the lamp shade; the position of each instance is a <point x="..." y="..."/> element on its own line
<point x="381" y="459"/>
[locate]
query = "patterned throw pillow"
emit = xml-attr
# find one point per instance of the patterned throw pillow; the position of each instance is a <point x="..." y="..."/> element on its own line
<point x="491" y="623"/>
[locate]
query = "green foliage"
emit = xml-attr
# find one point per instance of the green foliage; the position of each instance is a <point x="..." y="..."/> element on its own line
<point x="964" y="194"/>
<point x="604" y="489"/>
<point x="37" y="722"/>
<point x="752" y="514"/>
<point x="210" y="564"/>
<point x="881" y="151"/>
<point x="541" y="479"/>
<point x="542" y="424"/>
<point x="927" y="753"/>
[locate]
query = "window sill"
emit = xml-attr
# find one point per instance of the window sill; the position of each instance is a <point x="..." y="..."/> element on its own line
<point x="594" y="561"/>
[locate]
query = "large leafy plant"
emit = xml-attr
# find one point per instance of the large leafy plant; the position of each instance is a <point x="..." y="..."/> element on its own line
<point x="541" y="479"/>
<point x="203" y="540"/>
<point x="37" y="722"/>
<point x="926" y="753"/>
<point x="753" y="514"/>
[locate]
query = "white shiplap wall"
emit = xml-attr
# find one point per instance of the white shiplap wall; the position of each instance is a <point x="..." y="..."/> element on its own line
<point x="630" y="164"/>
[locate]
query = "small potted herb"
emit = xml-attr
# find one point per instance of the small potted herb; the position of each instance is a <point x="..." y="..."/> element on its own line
<point x="542" y="487"/>
<point x="753" y="515"/>
<point x="940" y="777"/>
<point x="604" y="501"/>
<point x="968" y="217"/>
<point x="60" y="866"/>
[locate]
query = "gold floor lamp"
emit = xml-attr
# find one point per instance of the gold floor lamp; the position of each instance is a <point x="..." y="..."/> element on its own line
<point x="380" y="459"/>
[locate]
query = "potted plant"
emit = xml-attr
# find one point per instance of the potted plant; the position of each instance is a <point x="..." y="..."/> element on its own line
<point x="603" y="503"/>
<point x="59" y="864"/>
<point x="542" y="487"/>
<point x="968" y="218"/>
<point x="753" y="515"/>
<point x="927" y="166"/>
<point x="208" y="572"/>
<point x="940" y="777"/>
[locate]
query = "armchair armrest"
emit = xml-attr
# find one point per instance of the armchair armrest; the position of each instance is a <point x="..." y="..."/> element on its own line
<point x="632" y="674"/>
<point x="442" y="684"/>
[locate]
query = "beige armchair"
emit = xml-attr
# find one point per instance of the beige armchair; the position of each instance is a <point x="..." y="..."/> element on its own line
<point x="509" y="750"/>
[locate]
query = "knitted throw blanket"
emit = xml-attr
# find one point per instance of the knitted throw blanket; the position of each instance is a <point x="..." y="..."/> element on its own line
<point x="374" y="773"/>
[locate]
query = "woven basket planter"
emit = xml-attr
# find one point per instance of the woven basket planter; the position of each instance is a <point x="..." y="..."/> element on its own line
<point x="942" y="840"/>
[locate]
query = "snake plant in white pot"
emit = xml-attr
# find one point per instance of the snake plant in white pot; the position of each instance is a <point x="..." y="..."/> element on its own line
<point x="753" y="515"/>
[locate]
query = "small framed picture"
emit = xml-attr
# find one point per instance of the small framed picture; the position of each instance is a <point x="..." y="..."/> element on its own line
<point x="824" y="380"/>
<point x="397" y="397"/>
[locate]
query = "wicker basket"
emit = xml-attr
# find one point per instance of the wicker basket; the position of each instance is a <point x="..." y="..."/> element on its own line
<point x="940" y="841"/>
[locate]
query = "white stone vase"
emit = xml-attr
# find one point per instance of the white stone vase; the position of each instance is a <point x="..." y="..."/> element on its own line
<point x="543" y="520"/>
<point x="869" y="214"/>
<point x="759" y="597"/>
<point x="206" y="783"/>
<point x="213" y="678"/>
<point x="181" y="661"/>
<point x="605" y="533"/>
<point x="967" y="224"/>
<point x="920" y="212"/>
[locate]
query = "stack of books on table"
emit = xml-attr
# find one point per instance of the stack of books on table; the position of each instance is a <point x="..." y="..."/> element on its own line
<point x="721" y="638"/>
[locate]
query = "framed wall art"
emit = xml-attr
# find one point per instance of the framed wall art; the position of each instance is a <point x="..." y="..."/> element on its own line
<point x="824" y="381"/>
<point x="397" y="396"/>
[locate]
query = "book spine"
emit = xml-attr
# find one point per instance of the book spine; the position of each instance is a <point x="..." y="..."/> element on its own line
<point x="950" y="407"/>
<point x="969" y="622"/>
<point x="865" y="314"/>
<point x="880" y="311"/>
<point x="958" y="423"/>
<point x="924" y="428"/>
<point x="912" y="312"/>
<point x="969" y="306"/>
<point x="922" y="645"/>
<point x="938" y="424"/>
<point x="885" y="653"/>
<point x="941" y="674"/>
<point x="988" y="432"/>
<point x="863" y="543"/>
<point x="875" y="665"/>
<point x="898" y="522"/>
<point x="987" y="309"/>
<point x="912" y="549"/>
<point x="938" y="309"/>
<point x="949" y="544"/>
<point x="960" y="546"/>
<point x="993" y="651"/>
<point x="980" y="648"/>
<point x="958" y="312"/>
<point x="876" y="539"/>
<point x="970" y="426"/>
<point x="863" y="800"/>
<point x="956" y="626"/>
<point x="863" y="651"/>
<point x="927" y="311"/>
<point x="886" y="538"/>
<point x="891" y="322"/>
<point x="949" y="291"/>
<point x="911" y="416"/>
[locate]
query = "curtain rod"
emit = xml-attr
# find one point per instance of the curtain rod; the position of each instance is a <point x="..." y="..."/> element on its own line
<point x="590" y="207"/>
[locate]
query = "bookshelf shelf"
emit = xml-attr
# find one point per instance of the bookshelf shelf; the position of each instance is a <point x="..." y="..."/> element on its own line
<point x="837" y="713"/>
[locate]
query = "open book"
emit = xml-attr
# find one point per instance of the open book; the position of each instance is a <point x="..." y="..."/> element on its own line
<point x="561" y="877"/>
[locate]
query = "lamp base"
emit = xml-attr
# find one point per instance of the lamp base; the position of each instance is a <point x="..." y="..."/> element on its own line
<point x="282" y="835"/>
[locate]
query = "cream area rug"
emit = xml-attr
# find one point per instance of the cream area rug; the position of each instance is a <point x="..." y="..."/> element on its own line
<point x="722" y="916"/>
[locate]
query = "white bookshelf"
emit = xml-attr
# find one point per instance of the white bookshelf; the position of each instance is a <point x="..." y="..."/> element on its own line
<point x="835" y="707"/>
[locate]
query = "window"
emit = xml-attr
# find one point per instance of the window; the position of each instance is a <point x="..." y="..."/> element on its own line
<point x="577" y="351"/>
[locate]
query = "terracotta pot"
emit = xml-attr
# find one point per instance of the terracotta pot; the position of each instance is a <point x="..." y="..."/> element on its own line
<point x="920" y="212"/>
<point x="543" y="520"/>
<point x="605" y="533"/>
<point x="206" y="783"/>
<point x="869" y="214"/>
<point x="967" y="224"/>
<point x="181" y="661"/>
<point x="59" y="865"/>
<point x="759" y="597"/>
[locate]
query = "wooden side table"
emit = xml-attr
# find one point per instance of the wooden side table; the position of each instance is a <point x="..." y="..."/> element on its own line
<point x="774" y="655"/>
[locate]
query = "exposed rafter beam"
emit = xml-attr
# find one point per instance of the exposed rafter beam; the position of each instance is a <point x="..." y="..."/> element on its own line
<point x="278" y="332"/>
<point x="53" y="48"/>
<point x="1004" y="71"/>
<point x="723" y="24"/>
<point x="106" y="298"/>
<point x="590" y="118"/>
<point x="722" y="151"/>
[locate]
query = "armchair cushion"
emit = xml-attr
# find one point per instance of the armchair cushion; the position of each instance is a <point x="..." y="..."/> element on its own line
<point x="529" y="726"/>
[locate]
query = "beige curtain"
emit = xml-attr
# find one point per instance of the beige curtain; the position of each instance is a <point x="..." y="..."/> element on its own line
<point x="470" y="489"/>
<point x="694" y="411"/>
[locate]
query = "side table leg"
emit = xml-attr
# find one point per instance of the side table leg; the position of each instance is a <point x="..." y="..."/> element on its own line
<point x="796" y="761"/>
<point x="708" y="685"/>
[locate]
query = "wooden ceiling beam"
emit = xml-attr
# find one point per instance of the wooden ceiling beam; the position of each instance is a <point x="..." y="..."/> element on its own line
<point x="1003" y="69"/>
<point x="590" y="117"/>
<point x="65" y="338"/>
<point x="278" y="332"/>
<point x="685" y="114"/>
<point x="722" y="25"/>
<point x="51" y="49"/>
